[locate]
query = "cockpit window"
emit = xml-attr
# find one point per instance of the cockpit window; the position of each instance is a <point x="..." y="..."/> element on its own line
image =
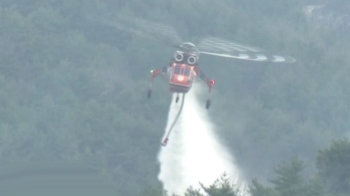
<point x="177" y="70"/>
<point x="187" y="71"/>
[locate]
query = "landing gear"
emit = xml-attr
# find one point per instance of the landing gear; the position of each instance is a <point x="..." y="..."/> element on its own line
<point x="210" y="84"/>
<point x="149" y="93"/>
<point x="207" y="105"/>
<point x="154" y="74"/>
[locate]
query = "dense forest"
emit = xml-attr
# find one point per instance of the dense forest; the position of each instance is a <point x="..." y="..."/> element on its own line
<point x="72" y="89"/>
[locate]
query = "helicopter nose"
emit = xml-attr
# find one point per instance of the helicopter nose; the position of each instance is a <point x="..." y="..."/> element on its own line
<point x="180" y="78"/>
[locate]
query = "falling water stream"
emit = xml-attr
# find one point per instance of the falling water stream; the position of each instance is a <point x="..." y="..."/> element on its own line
<point x="193" y="154"/>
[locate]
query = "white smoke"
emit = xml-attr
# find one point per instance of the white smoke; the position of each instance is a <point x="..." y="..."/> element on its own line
<point x="193" y="153"/>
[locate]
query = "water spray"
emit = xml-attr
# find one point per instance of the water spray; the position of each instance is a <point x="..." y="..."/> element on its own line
<point x="194" y="155"/>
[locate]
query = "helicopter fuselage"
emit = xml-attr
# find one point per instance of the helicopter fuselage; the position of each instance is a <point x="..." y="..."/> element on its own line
<point x="181" y="77"/>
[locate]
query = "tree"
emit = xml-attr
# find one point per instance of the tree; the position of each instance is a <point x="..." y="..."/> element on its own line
<point x="334" y="166"/>
<point x="289" y="181"/>
<point x="221" y="187"/>
<point x="193" y="192"/>
<point x="257" y="189"/>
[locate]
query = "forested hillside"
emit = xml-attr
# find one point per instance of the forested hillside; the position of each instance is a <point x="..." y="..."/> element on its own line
<point x="72" y="89"/>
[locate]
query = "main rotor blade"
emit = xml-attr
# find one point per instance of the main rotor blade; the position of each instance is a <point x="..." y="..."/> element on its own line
<point x="157" y="29"/>
<point x="219" y="45"/>
<point x="144" y="28"/>
<point x="254" y="57"/>
<point x="224" y="48"/>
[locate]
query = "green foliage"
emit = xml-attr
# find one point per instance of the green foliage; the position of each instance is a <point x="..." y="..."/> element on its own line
<point x="72" y="89"/>
<point x="334" y="166"/>
<point x="221" y="187"/>
<point x="289" y="182"/>
<point x="316" y="188"/>
<point x="193" y="192"/>
<point x="257" y="189"/>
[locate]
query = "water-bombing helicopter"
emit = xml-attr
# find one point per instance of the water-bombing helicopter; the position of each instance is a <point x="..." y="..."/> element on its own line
<point x="183" y="69"/>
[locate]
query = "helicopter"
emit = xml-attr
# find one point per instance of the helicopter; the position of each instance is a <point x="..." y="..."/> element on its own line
<point x="183" y="69"/>
<point x="182" y="72"/>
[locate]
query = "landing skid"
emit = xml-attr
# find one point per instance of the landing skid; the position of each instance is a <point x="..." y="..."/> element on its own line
<point x="207" y="105"/>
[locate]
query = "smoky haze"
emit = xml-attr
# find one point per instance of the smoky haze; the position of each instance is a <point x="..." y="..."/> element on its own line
<point x="39" y="178"/>
<point x="71" y="89"/>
